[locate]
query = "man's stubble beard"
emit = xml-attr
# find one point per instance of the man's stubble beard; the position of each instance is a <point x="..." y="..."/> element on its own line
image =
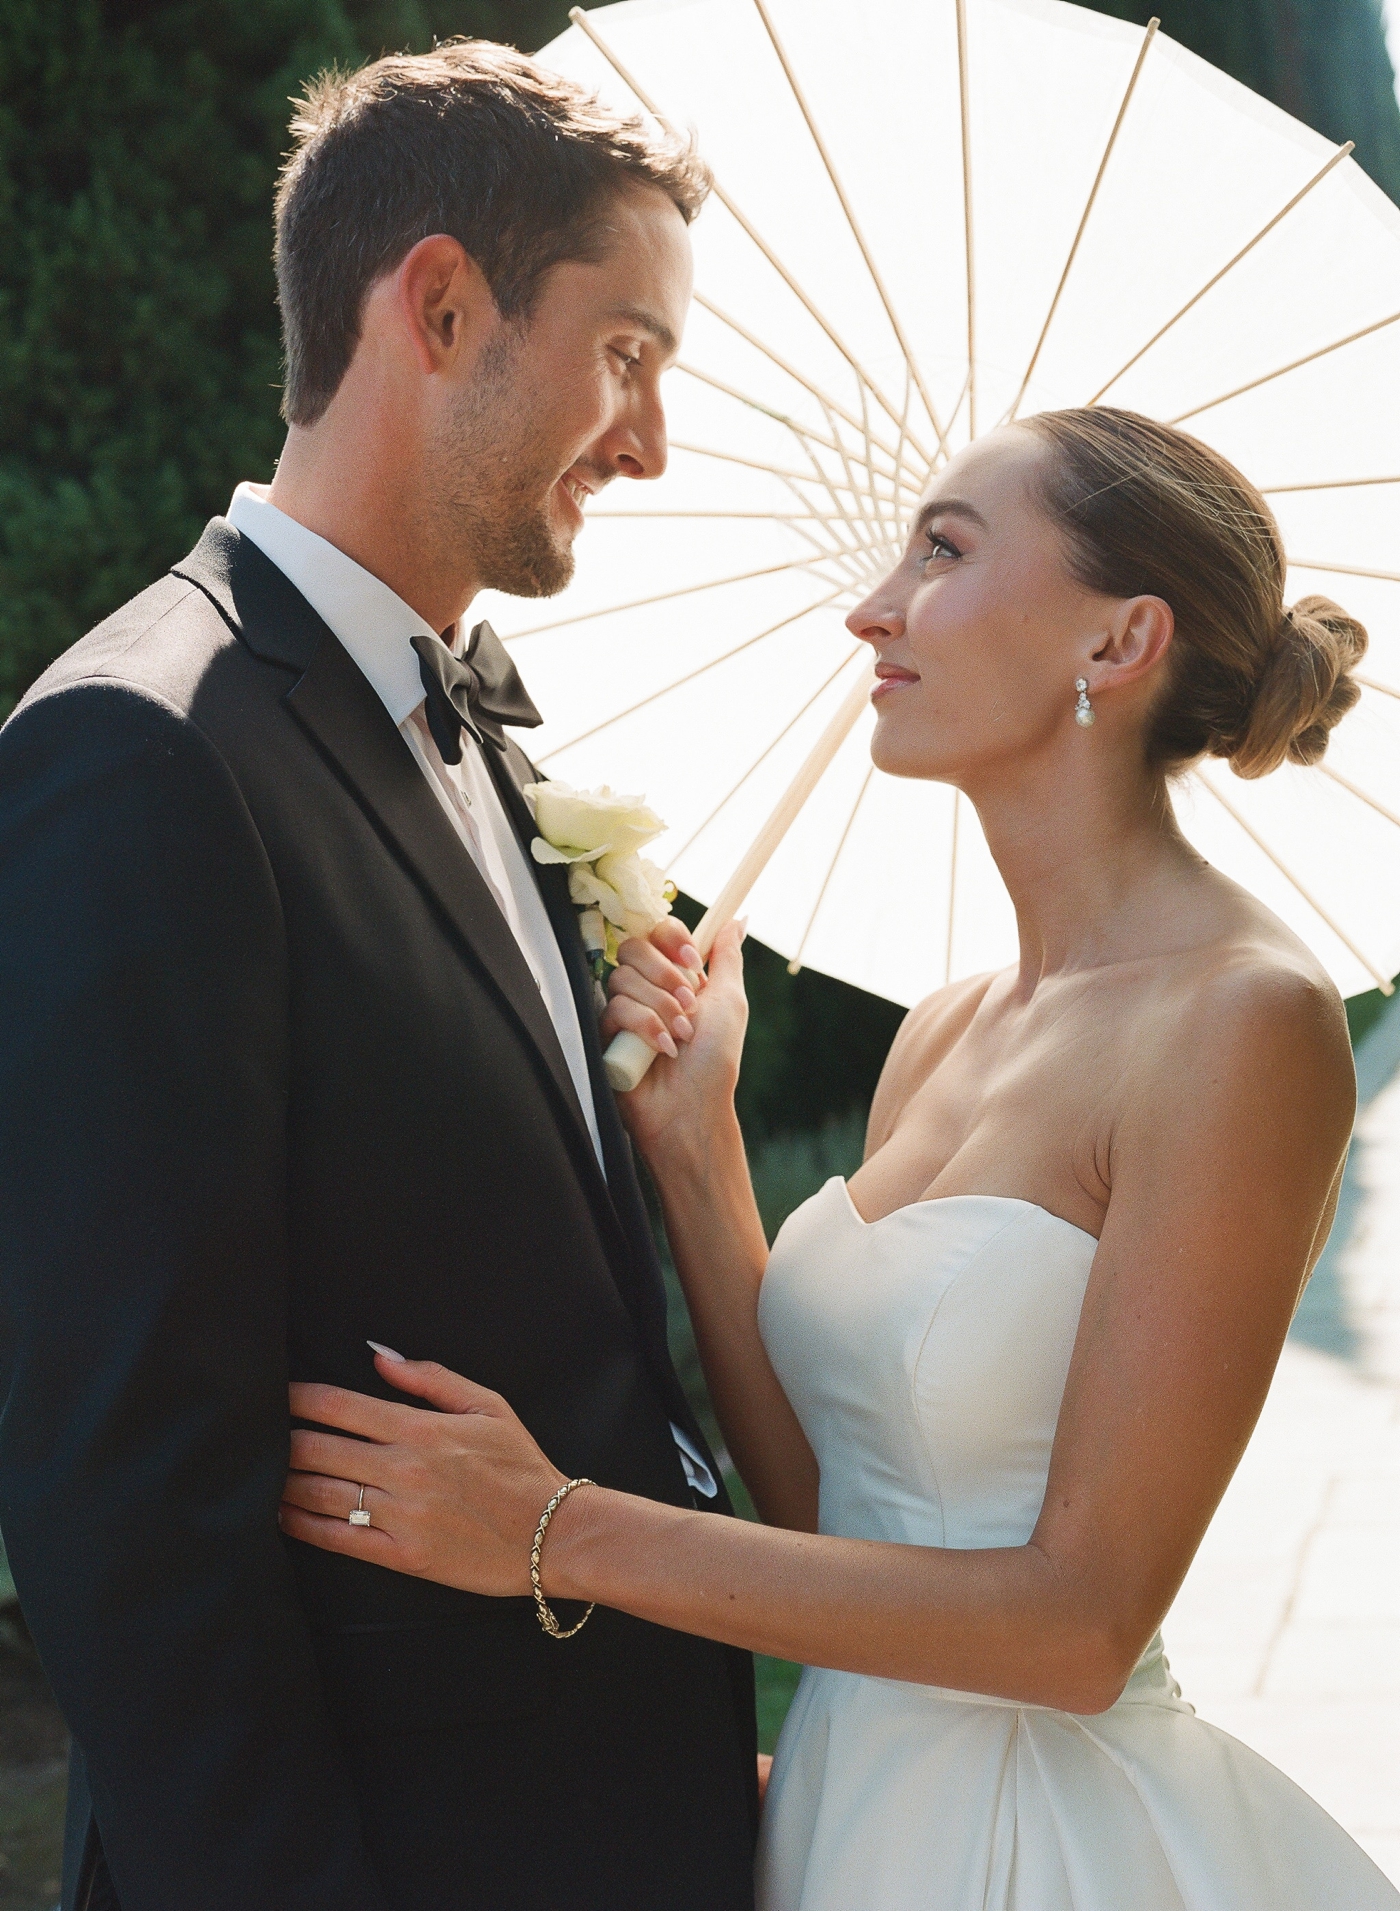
<point x="498" y="478"/>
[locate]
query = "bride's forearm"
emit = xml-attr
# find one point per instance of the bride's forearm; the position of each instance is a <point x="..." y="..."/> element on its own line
<point x="998" y="1621"/>
<point x="720" y="1250"/>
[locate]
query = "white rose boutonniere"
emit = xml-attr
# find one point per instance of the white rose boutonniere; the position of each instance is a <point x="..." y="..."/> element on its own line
<point x="617" y="892"/>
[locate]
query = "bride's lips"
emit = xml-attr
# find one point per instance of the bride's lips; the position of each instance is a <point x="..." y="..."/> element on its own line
<point x="890" y="678"/>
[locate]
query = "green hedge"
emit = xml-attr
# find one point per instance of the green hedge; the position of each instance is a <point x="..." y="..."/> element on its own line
<point x="139" y="354"/>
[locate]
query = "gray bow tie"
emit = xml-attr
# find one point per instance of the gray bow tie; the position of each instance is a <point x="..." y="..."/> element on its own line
<point x="478" y="692"/>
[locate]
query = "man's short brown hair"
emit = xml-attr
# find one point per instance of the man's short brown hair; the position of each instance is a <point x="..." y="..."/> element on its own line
<point x="474" y="140"/>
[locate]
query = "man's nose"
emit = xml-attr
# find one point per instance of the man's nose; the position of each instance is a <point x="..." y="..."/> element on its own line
<point x="637" y="444"/>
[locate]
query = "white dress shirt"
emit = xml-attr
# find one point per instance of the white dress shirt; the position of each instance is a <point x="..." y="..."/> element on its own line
<point x="376" y="627"/>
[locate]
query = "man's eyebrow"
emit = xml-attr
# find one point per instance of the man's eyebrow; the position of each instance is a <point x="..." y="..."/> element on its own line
<point x="649" y="323"/>
<point x="949" y="507"/>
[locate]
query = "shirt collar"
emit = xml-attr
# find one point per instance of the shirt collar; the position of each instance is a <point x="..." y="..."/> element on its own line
<point x="372" y="622"/>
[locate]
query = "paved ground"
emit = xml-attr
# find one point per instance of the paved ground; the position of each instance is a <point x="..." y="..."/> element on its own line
<point x="1287" y="1631"/>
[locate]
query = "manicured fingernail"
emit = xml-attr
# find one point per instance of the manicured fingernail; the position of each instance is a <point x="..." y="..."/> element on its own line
<point x="387" y="1352"/>
<point x="667" y="1046"/>
<point x="685" y="996"/>
<point x="682" y="1029"/>
<point x="689" y="957"/>
<point x="743" y="927"/>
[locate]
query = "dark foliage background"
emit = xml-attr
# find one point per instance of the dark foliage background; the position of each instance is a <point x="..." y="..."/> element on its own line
<point x="139" y="141"/>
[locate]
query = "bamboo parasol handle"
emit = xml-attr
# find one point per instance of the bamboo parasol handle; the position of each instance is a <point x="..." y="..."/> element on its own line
<point x="628" y="1057"/>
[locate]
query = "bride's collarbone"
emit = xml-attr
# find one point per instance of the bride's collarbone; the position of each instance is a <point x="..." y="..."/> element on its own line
<point x="1037" y="1136"/>
<point x="1019" y="1099"/>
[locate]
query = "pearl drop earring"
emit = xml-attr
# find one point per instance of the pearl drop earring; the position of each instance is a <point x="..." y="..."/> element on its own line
<point x="1083" y="710"/>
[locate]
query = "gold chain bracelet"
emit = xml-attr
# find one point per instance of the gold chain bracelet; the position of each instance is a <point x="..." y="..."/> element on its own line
<point x="542" y="1607"/>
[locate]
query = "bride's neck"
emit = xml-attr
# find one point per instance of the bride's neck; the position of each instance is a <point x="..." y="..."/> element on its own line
<point x="1088" y="850"/>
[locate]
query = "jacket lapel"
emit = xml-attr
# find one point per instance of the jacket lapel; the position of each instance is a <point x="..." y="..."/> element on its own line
<point x="647" y="1292"/>
<point x="332" y="700"/>
<point x="337" y="706"/>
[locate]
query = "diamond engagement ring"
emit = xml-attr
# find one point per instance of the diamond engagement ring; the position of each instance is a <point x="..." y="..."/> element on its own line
<point x="359" y="1517"/>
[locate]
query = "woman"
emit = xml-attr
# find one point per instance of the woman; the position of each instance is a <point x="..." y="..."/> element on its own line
<point x="987" y="1397"/>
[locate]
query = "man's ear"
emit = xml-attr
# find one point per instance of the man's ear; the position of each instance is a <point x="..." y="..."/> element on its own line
<point x="1138" y="639"/>
<point x="444" y="303"/>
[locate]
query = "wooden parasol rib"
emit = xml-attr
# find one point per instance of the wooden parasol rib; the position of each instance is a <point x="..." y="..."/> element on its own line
<point x="1148" y="38"/>
<point x="585" y="25"/>
<point x="1293" y="365"/>
<point x="857" y="234"/>
<point x="1229" y="266"/>
<point x="968" y="250"/>
<point x="665" y="597"/>
<point x="762" y="757"/>
<point x="1383" y="982"/>
<point x="628" y="1058"/>
<point x="690" y="676"/>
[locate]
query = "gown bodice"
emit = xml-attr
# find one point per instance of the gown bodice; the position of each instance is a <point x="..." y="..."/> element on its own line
<point x="925" y="1355"/>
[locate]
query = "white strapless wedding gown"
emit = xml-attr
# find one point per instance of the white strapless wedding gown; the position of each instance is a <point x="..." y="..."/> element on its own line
<point x="926" y="1355"/>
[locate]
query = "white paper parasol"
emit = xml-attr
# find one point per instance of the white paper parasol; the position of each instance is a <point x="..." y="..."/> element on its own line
<point x="932" y="215"/>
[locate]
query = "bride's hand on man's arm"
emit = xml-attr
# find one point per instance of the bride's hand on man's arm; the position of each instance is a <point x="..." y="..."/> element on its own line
<point x="658" y="993"/>
<point x="453" y="1496"/>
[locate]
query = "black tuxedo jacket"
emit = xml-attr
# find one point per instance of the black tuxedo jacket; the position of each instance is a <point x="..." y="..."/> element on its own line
<point x="275" y="1079"/>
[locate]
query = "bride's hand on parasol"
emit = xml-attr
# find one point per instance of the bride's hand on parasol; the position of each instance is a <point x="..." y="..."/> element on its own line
<point x="682" y="1117"/>
<point x="690" y="1086"/>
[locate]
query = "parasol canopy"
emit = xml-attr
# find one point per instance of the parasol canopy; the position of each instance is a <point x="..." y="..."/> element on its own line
<point x="932" y="216"/>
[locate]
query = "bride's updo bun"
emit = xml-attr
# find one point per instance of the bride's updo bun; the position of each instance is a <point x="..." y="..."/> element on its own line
<point x="1149" y="511"/>
<point x="1306" y="687"/>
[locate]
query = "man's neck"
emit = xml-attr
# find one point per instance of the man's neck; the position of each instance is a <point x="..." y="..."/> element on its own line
<point x="371" y="512"/>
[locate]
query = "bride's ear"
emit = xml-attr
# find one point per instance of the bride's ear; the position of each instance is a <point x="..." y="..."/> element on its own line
<point x="1137" y="641"/>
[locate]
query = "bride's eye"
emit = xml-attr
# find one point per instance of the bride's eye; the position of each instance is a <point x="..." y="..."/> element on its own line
<point x="940" y="546"/>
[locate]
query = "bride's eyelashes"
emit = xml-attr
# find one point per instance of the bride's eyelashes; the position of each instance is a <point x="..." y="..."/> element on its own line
<point x="939" y="545"/>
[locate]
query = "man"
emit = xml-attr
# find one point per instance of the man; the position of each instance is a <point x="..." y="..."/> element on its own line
<point x="298" y="1054"/>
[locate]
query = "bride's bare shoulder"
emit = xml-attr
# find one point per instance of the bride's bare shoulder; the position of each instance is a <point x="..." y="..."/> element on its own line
<point x="1252" y="1000"/>
<point x="1250" y="962"/>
